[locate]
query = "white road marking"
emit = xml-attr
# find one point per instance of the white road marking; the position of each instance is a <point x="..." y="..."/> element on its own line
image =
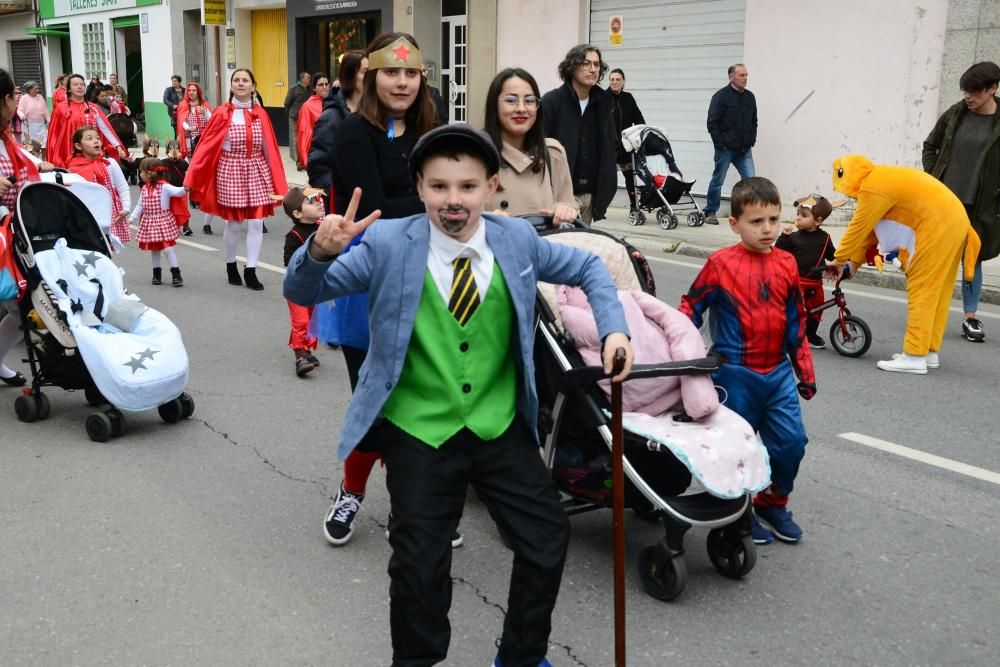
<point x="265" y="265"/>
<point x="847" y="290"/>
<point x="199" y="246"/>
<point x="923" y="457"/>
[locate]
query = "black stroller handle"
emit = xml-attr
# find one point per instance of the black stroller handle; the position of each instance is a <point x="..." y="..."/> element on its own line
<point x="543" y="221"/>
<point x="575" y="378"/>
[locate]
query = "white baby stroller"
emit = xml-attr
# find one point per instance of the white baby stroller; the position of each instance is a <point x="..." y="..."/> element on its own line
<point x="661" y="186"/>
<point x="82" y="328"/>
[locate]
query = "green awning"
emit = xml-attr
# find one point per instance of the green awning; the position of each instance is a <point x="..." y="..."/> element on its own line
<point x="125" y="22"/>
<point x="61" y="30"/>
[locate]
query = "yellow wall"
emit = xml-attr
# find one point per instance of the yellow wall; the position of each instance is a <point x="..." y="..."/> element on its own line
<point x="269" y="37"/>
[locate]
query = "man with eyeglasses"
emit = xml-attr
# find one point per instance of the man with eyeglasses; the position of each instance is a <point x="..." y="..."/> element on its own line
<point x="578" y="114"/>
<point x="732" y="122"/>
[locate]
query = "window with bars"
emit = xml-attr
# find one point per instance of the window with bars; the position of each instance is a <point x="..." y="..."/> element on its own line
<point x="93" y="50"/>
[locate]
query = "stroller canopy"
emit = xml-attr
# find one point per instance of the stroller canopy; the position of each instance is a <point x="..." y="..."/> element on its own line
<point x="47" y="211"/>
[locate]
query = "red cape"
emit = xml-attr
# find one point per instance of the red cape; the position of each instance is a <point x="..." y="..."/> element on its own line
<point x="67" y="118"/>
<point x="59" y="95"/>
<point x="308" y="114"/>
<point x="200" y="176"/>
<point x="182" y="113"/>
<point x="18" y="159"/>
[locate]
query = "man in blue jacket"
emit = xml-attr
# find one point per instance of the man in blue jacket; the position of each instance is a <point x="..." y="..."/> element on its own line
<point x="447" y="391"/>
<point x="732" y="122"/>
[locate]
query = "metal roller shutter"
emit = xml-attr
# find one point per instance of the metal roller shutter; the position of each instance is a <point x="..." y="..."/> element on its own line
<point x="675" y="55"/>
<point x="24" y="61"/>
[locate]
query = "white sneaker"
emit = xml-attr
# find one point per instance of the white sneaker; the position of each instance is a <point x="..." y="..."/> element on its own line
<point x="932" y="359"/>
<point x="904" y="363"/>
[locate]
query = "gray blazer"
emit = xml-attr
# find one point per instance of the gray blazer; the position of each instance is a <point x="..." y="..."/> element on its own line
<point x="390" y="263"/>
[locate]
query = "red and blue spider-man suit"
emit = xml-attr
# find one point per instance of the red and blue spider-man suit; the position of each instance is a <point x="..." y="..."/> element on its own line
<point x="757" y="321"/>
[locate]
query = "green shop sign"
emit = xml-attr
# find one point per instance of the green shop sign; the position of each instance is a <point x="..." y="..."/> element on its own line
<point x="53" y="8"/>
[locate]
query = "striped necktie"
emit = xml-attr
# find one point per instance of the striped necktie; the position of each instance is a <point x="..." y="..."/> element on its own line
<point x="464" y="297"/>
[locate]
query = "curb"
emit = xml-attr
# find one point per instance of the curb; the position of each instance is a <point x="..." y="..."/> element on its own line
<point x="888" y="279"/>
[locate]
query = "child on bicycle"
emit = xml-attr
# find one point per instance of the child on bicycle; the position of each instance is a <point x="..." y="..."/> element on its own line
<point x="757" y="325"/>
<point x="811" y="247"/>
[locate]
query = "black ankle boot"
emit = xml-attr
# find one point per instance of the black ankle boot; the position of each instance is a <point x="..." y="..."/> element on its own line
<point x="234" y="274"/>
<point x="176" y="280"/>
<point x="157" y="276"/>
<point x="250" y="278"/>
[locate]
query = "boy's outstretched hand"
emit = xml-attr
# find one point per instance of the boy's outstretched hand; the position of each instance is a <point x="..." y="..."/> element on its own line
<point x="336" y="231"/>
<point x="611" y="344"/>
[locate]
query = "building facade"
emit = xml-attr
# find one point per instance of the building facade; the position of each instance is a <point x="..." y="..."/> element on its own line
<point x="855" y="76"/>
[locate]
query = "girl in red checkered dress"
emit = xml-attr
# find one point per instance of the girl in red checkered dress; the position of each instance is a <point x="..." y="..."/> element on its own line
<point x="88" y="161"/>
<point x="236" y="170"/>
<point x="16" y="164"/>
<point x="157" y="224"/>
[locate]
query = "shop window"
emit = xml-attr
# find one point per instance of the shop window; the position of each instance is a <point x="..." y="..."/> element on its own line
<point x="93" y="50"/>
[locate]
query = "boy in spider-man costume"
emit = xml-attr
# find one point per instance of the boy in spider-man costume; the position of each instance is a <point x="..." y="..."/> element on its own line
<point x="757" y="323"/>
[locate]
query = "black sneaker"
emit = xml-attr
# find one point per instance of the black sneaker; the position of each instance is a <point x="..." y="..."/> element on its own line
<point x="187" y="231"/>
<point x="340" y="517"/>
<point x="207" y="229"/>
<point x="972" y="330"/>
<point x="456" y="537"/>
<point x="816" y="342"/>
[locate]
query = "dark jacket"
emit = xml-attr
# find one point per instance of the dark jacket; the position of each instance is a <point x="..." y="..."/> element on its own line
<point x="295" y="237"/>
<point x="439" y="104"/>
<point x="985" y="216"/>
<point x="626" y="114"/>
<point x="171" y="98"/>
<point x="732" y="119"/>
<point x="319" y="166"/>
<point x="296" y="97"/>
<point x="562" y="123"/>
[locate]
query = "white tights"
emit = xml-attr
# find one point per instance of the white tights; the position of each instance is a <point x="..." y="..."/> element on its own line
<point x="255" y="239"/>
<point x="171" y="257"/>
<point x="10" y="333"/>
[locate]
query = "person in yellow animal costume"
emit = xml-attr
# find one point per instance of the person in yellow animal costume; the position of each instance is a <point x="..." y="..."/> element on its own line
<point x="942" y="233"/>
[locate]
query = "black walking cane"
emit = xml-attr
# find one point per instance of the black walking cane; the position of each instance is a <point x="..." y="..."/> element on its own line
<point x="618" y="508"/>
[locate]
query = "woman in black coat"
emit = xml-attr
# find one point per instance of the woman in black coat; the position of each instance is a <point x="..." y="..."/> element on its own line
<point x="626" y="114"/>
<point x="339" y="104"/>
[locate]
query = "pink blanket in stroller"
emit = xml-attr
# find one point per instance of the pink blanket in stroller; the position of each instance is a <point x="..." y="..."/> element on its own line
<point x="659" y="334"/>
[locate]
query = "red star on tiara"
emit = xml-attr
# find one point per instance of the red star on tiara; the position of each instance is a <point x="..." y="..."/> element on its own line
<point x="402" y="53"/>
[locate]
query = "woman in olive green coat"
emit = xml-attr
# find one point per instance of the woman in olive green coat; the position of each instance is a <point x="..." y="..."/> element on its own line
<point x="963" y="152"/>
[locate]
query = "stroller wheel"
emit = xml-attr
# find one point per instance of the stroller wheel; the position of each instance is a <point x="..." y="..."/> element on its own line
<point x="94" y="396"/>
<point x="636" y="218"/>
<point x="663" y="577"/>
<point x="696" y="219"/>
<point x="187" y="405"/>
<point x="42" y="405"/>
<point x="666" y="219"/>
<point x="171" y="411"/>
<point x="99" y="427"/>
<point x="732" y="553"/>
<point x="117" y="421"/>
<point x="26" y="409"/>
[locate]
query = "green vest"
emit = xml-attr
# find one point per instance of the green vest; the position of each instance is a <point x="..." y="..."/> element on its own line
<point x="455" y="376"/>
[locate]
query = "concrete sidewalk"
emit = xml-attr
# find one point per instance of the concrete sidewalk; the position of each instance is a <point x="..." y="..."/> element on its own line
<point x="703" y="241"/>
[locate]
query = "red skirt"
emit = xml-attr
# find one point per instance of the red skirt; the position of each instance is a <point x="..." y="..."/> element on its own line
<point x="156" y="245"/>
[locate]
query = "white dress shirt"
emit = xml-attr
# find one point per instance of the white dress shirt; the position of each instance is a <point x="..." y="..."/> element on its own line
<point x="443" y="251"/>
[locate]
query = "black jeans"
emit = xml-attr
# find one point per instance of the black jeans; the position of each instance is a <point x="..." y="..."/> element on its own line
<point x="427" y="489"/>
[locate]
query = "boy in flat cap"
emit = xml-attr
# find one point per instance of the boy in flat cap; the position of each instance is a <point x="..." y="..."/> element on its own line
<point x="448" y="388"/>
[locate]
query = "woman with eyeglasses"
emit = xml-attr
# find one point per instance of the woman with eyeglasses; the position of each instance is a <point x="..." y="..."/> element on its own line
<point x="69" y="117"/>
<point x="309" y="113"/>
<point x="534" y="174"/>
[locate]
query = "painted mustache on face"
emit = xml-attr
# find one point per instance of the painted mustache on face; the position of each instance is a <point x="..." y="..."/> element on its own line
<point x="449" y="222"/>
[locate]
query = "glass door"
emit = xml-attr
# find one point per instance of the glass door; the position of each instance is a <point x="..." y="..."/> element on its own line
<point x="454" y="54"/>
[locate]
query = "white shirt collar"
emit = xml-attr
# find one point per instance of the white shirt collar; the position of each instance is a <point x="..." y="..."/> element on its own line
<point x="447" y="248"/>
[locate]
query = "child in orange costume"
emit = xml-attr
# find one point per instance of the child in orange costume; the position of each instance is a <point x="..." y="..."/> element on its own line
<point x="942" y="230"/>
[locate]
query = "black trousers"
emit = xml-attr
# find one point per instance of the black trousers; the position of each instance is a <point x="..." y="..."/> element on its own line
<point x="427" y="489"/>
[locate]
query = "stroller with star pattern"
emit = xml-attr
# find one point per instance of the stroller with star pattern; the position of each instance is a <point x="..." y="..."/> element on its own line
<point x="82" y="329"/>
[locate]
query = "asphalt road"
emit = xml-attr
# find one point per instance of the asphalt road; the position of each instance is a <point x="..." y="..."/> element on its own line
<point x="199" y="543"/>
